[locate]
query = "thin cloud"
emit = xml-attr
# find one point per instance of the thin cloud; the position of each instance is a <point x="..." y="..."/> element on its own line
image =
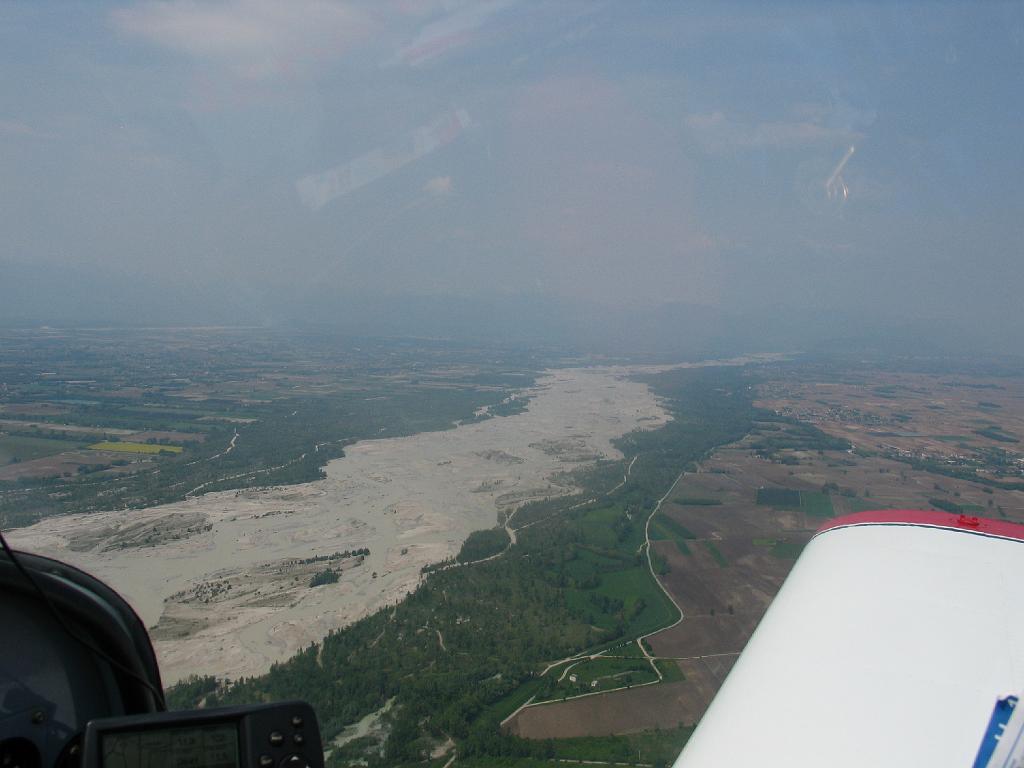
<point x="439" y="186"/>
<point x="452" y="31"/>
<point x="252" y="38"/>
<point x="717" y="133"/>
<point x="318" y="189"/>
<point x="18" y="128"/>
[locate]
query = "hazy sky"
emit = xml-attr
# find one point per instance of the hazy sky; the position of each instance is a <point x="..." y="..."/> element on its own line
<point x="616" y="152"/>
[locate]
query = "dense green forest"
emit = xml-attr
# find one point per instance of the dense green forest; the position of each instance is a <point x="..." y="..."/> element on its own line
<point x="466" y="647"/>
<point x="481" y="544"/>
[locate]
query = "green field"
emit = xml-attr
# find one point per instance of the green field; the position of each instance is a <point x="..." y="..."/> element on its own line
<point x="121" y="447"/>
<point x="813" y="503"/>
<point x="996" y="433"/>
<point x="663" y="527"/>
<point x="505" y="706"/>
<point x="642" y="606"/>
<point x="816" y="504"/>
<point x="627" y="648"/>
<point x="658" y="532"/>
<point x="716" y="553"/>
<point x="865" y="505"/>
<point x="607" y="673"/>
<point x="779" y="497"/>
<point x="26" y="448"/>
<point x="784" y="549"/>
<point x="787" y="550"/>
<point x="670" y="671"/>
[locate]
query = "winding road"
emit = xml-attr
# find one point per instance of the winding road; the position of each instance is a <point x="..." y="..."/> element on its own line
<point x="572" y="661"/>
<point x="512" y="531"/>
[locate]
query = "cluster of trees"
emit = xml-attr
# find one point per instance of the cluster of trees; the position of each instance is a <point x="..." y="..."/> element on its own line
<point x="946" y="506"/>
<point x="996" y="433"/>
<point x="362" y="551"/>
<point x="793" y="434"/>
<point x="991" y="461"/>
<point x="482" y="544"/>
<point x="510" y="407"/>
<point x="842" y="490"/>
<point x="326" y="576"/>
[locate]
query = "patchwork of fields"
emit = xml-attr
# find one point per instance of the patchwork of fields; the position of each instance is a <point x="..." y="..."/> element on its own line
<point x="727" y="537"/>
<point x="107" y="419"/>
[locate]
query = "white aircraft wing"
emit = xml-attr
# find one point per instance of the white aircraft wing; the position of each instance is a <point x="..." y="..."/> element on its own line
<point x="890" y="643"/>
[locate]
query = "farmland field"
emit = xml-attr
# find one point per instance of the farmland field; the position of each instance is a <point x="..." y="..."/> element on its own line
<point x="778" y="497"/>
<point x="665" y="706"/>
<point x="16" y="447"/>
<point x="816" y="504"/>
<point x="126" y="447"/>
<point x="724" y="562"/>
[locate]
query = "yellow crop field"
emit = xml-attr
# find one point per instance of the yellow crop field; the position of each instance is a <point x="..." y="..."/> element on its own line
<point x="135" y="447"/>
